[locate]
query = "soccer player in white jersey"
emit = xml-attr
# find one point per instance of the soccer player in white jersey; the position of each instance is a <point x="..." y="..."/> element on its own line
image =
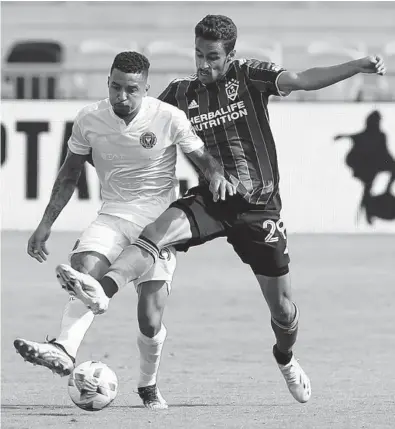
<point x="132" y="138"/>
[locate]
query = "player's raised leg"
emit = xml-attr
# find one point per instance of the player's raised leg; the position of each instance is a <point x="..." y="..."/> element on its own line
<point x="59" y="354"/>
<point x="152" y="299"/>
<point x="284" y="320"/>
<point x="172" y="227"/>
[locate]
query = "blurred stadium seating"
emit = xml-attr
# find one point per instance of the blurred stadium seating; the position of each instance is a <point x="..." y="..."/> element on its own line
<point x="169" y="59"/>
<point x="296" y="35"/>
<point x="264" y="49"/>
<point x="88" y="66"/>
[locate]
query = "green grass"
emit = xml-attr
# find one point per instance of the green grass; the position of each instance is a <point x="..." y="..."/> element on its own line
<point x="217" y="370"/>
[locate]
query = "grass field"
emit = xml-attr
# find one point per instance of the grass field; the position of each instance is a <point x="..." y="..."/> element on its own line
<point x="217" y="370"/>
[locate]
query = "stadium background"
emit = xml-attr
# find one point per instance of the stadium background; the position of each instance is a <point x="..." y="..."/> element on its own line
<point x="82" y="38"/>
<point x="55" y="60"/>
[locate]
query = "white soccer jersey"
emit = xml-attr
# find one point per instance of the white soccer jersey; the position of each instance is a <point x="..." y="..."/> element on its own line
<point x="136" y="163"/>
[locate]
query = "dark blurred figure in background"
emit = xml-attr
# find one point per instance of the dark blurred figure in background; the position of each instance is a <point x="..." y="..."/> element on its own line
<point x="368" y="157"/>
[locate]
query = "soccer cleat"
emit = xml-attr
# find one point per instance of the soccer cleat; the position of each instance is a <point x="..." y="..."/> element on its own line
<point x="49" y="354"/>
<point x="297" y="381"/>
<point x="84" y="287"/>
<point x="152" y="398"/>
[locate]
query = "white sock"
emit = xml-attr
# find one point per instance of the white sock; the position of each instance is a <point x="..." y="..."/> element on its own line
<point x="75" y="322"/>
<point x="150" y="354"/>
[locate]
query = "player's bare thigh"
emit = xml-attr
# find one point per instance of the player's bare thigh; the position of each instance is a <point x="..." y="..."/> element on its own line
<point x="99" y="245"/>
<point x="91" y="262"/>
<point x="171" y="227"/>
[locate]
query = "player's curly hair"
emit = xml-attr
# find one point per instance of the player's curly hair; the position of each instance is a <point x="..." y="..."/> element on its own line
<point x="131" y="62"/>
<point x="218" y="27"/>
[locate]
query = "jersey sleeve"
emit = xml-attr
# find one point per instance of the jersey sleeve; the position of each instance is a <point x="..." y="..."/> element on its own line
<point x="264" y="76"/>
<point x="78" y="143"/>
<point x="184" y="134"/>
<point x="169" y="94"/>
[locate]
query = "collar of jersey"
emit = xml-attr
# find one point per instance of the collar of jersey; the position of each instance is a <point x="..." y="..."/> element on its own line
<point x="121" y="121"/>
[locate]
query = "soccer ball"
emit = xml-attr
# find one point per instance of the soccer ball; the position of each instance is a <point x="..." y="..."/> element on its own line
<point x="92" y="386"/>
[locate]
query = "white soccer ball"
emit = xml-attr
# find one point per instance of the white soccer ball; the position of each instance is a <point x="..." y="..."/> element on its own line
<point x="92" y="385"/>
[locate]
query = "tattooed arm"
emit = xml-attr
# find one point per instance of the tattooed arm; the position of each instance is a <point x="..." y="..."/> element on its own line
<point x="64" y="186"/>
<point x="62" y="191"/>
<point x="213" y="173"/>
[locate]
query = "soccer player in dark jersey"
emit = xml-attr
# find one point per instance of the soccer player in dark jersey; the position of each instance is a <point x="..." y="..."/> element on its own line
<point x="226" y="102"/>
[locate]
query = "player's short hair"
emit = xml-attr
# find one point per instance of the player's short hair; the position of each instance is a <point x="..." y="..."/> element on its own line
<point x="218" y="27"/>
<point x="131" y="62"/>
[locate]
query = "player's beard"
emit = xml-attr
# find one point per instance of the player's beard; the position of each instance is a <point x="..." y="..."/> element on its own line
<point x="122" y="111"/>
<point x="212" y="75"/>
<point x="206" y="78"/>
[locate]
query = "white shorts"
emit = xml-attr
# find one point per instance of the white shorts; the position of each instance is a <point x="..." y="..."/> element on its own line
<point x="109" y="235"/>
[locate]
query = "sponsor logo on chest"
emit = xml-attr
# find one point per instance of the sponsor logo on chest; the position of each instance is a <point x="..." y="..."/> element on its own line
<point x="221" y="116"/>
<point x="112" y="156"/>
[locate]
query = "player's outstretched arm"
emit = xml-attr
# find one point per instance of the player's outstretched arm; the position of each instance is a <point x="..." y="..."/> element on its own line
<point x="62" y="190"/>
<point x="321" y="77"/>
<point x="213" y="172"/>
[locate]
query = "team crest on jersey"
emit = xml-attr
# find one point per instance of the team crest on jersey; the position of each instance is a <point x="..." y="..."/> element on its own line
<point x="165" y="254"/>
<point x="231" y="89"/>
<point x="148" y="140"/>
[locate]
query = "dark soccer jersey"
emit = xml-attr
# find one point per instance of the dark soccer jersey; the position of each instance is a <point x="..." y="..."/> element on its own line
<point x="232" y="119"/>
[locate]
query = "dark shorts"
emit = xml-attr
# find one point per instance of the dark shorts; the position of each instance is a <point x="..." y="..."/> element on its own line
<point x="257" y="234"/>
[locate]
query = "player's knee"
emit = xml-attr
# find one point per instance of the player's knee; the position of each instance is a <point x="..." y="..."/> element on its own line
<point x="278" y="293"/>
<point x="79" y="262"/>
<point x="150" y="323"/>
<point x="283" y="310"/>
<point x="92" y="263"/>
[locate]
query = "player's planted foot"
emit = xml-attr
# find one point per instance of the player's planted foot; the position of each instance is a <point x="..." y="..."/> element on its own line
<point x="297" y="381"/>
<point x="84" y="287"/>
<point x="50" y="354"/>
<point x="152" y="398"/>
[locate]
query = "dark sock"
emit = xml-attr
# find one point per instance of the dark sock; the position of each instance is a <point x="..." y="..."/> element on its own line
<point x="281" y="358"/>
<point x="109" y="286"/>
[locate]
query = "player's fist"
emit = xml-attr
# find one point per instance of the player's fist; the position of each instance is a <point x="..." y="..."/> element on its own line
<point x="372" y="64"/>
<point x="36" y="247"/>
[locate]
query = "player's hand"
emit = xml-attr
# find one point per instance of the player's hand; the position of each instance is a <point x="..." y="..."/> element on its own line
<point x="219" y="187"/>
<point x="372" y="64"/>
<point x="36" y="246"/>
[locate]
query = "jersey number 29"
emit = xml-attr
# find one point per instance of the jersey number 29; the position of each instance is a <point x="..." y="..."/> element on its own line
<point x="273" y="226"/>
